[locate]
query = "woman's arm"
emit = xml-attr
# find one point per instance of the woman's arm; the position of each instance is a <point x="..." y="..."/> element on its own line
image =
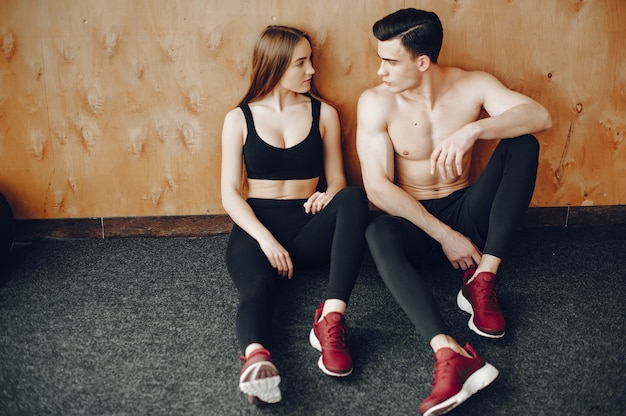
<point x="330" y="130"/>
<point x="234" y="203"/>
<point x="333" y="155"/>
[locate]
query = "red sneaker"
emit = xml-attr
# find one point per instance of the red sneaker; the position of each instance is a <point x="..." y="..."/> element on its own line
<point x="478" y="298"/>
<point x="259" y="378"/>
<point x="329" y="337"/>
<point x="456" y="379"/>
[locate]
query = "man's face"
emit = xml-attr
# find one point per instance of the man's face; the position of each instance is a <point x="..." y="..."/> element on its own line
<point x="399" y="70"/>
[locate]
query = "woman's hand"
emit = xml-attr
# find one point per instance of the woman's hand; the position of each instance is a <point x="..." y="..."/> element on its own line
<point x="278" y="257"/>
<point x="317" y="202"/>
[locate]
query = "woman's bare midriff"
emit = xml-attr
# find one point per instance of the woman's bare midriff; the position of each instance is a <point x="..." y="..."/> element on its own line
<point x="282" y="189"/>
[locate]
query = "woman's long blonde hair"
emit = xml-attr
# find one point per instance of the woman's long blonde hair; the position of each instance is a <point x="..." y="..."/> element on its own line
<point x="272" y="55"/>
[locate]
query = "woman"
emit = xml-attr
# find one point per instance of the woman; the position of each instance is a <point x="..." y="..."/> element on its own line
<point x="285" y="139"/>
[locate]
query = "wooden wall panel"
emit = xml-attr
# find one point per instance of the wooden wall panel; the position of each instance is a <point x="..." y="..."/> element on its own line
<point x="570" y="55"/>
<point x="114" y="108"/>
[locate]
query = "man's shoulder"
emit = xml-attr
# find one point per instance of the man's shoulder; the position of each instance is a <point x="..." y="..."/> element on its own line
<point x="469" y="85"/>
<point x="378" y="95"/>
<point x="473" y="76"/>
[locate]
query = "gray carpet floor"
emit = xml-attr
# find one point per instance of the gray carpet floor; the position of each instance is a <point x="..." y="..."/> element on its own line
<point x="145" y="326"/>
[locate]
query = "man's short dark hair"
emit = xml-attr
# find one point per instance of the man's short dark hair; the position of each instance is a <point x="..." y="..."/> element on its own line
<point x="420" y="31"/>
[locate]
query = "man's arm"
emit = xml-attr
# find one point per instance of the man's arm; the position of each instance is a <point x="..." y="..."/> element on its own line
<point x="376" y="155"/>
<point x="511" y="115"/>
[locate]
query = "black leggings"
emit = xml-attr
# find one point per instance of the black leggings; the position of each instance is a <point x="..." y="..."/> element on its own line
<point x="335" y="234"/>
<point x="486" y="212"/>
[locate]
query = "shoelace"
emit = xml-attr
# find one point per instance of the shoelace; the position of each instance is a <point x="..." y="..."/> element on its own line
<point x="486" y="296"/>
<point x="336" y="335"/>
<point x="442" y="368"/>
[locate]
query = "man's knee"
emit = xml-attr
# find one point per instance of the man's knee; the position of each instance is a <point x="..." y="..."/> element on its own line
<point x="522" y="151"/>
<point x="380" y="230"/>
<point x="526" y="144"/>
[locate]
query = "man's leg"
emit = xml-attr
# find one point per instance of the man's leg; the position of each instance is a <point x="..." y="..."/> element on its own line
<point x="500" y="196"/>
<point x="459" y="371"/>
<point x="397" y="247"/>
<point x="496" y="203"/>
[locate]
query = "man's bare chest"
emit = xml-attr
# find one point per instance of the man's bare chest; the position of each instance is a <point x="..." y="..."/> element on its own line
<point x="415" y="132"/>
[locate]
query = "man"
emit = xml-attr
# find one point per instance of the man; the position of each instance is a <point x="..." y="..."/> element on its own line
<point x="415" y="136"/>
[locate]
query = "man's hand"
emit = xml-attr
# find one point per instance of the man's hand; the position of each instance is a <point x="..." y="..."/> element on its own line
<point x="460" y="251"/>
<point x="447" y="158"/>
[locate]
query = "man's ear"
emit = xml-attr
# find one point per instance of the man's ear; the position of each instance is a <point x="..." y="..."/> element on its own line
<point x="423" y="62"/>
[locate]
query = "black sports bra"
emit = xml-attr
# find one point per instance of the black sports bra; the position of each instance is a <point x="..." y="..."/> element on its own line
<point x="305" y="160"/>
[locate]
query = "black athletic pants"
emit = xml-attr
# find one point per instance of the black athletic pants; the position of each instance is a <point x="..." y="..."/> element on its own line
<point x="335" y="234"/>
<point x="486" y="212"/>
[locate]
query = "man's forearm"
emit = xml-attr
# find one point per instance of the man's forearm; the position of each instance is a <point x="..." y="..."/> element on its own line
<point x="523" y="119"/>
<point x="395" y="201"/>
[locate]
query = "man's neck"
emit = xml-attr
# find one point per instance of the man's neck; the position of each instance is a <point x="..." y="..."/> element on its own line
<point x="430" y="88"/>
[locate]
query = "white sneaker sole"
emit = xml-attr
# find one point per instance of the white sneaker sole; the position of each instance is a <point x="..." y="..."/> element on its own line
<point x="466" y="306"/>
<point x="265" y="389"/>
<point x="477" y="381"/>
<point x="315" y="343"/>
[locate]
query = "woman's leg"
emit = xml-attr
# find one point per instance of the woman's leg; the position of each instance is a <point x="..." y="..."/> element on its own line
<point x="256" y="281"/>
<point x="335" y="234"/>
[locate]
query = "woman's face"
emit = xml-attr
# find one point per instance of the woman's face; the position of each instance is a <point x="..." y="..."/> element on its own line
<point x="298" y="75"/>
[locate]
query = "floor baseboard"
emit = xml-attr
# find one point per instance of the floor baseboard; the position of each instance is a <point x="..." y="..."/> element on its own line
<point x="207" y="225"/>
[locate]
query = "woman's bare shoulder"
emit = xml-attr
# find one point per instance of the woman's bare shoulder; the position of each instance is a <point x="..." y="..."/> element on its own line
<point x="234" y="116"/>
